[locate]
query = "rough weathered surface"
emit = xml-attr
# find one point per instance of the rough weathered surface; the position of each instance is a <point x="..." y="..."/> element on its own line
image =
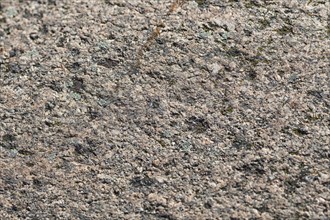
<point x="223" y="114"/>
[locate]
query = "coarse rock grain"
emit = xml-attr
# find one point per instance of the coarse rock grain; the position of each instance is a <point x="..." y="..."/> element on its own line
<point x="220" y="113"/>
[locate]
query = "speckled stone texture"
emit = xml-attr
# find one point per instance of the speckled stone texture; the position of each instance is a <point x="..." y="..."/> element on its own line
<point x="223" y="114"/>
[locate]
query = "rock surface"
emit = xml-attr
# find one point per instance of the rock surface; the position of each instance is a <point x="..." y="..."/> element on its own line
<point x="119" y="109"/>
